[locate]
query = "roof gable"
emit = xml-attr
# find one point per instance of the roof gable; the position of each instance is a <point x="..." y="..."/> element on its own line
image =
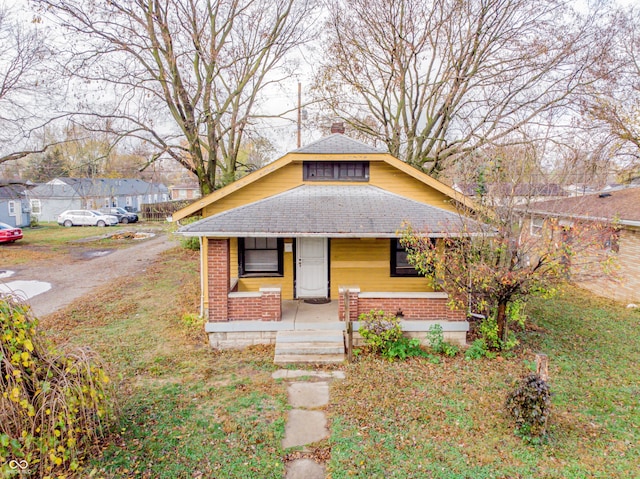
<point x="351" y="150"/>
<point x="338" y="144"/>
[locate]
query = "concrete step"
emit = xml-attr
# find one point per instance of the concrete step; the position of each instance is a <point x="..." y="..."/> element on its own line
<point x="309" y="358"/>
<point x="310" y="348"/>
<point x="309" y="336"/>
<point x="314" y="346"/>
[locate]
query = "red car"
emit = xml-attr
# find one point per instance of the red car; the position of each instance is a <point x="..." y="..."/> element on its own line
<point x="8" y="233"/>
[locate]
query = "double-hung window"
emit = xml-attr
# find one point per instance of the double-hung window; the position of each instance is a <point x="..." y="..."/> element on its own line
<point x="260" y="256"/>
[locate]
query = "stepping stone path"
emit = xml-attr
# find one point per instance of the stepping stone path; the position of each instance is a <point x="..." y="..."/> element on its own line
<point x="304" y="424"/>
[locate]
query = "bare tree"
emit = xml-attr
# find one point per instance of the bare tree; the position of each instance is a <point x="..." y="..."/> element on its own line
<point x="437" y="79"/>
<point x="613" y="106"/>
<point x="26" y="87"/>
<point x="187" y="74"/>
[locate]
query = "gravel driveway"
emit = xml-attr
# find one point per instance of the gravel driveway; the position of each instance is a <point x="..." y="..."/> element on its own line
<point x="71" y="280"/>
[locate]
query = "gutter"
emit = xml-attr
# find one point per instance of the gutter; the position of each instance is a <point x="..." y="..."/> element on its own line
<point x="584" y="217"/>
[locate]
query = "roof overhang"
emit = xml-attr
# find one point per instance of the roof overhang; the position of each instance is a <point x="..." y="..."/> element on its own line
<point x="333" y="211"/>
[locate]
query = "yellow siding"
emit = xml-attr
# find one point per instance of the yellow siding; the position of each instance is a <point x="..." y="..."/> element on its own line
<point x="363" y="263"/>
<point x="366" y="264"/>
<point x="280" y="180"/>
<point x="389" y="178"/>
<point x="382" y="175"/>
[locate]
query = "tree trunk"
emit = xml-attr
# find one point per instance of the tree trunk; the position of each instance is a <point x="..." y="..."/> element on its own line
<point x="501" y="320"/>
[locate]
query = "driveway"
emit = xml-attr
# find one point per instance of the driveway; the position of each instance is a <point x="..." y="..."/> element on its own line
<point x="72" y="280"/>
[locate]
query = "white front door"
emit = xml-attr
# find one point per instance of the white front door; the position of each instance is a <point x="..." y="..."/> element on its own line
<point x="311" y="268"/>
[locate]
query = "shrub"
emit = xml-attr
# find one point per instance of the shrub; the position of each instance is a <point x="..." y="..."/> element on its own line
<point x="489" y="331"/>
<point x="379" y="330"/>
<point x="478" y="350"/>
<point x="383" y="334"/>
<point x="190" y="242"/>
<point x="529" y="404"/>
<point x="53" y="405"/>
<point x="404" y="348"/>
<point x="435" y="337"/>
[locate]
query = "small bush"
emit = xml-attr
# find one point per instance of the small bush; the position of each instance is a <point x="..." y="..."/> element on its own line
<point x="435" y="337"/>
<point x="190" y="242"/>
<point x="53" y="406"/>
<point x="477" y="350"/>
<point x="489" y="331"/>
<point x="404" y="348"/>
<point x="379" y="330"/>
<point x="383" y="334"/>
<point x="529" y="405"/>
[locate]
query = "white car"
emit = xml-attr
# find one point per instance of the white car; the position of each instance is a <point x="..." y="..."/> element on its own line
<point x="86" y="218"/>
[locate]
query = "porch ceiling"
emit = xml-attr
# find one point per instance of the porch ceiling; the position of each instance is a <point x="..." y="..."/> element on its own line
<point x="350" y="211"/>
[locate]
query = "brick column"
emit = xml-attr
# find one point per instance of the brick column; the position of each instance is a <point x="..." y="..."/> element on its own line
<point x="218" y="279"/>
<point x="353" y="304"/>
<point x="352" y="294"/>
<point x="271" y="304"/>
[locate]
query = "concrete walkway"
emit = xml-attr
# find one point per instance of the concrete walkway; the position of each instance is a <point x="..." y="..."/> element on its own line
<point x="307" y="391"/>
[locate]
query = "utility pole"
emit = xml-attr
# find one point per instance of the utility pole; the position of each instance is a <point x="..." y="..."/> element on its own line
<point x="299" y="114"/>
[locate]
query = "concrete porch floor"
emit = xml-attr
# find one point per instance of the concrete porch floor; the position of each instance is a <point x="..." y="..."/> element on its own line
<point x="302" y="315"/>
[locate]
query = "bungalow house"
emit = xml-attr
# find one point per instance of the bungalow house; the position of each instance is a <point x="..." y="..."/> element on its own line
<point x="185" y="191"/>
<point x="620" y="209"/>
<point x="320" y="225"/>
<point x="14" y="206"/>
<point x="510" y="194"/>
<point x="50" y="199"/>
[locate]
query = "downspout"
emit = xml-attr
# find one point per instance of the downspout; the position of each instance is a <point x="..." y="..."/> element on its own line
<point x="202" y="273"/>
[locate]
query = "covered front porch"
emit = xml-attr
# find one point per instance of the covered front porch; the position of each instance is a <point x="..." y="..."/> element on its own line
<point x="308" y="319"/>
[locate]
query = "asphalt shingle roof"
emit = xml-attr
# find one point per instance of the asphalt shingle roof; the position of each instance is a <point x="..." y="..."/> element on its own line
<point x="619" y="204"/>
<point x="95" y="187"/>
<point x="329" y="211"/>
<point x="340" y="145"/>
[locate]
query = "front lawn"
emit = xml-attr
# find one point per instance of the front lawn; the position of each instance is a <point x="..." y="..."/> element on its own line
<point x="417" y="419"/>
<point x="190" y="412"/>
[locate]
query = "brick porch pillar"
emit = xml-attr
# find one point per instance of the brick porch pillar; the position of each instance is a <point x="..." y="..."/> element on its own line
<point x="271" y="304"/>
<point x="218" y="279"/>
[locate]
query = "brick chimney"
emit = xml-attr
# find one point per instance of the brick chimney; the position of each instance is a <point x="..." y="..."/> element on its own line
<point x="337" y="127"/>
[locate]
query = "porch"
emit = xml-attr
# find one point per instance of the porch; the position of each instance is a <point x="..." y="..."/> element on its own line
<point x="320" y="320"/>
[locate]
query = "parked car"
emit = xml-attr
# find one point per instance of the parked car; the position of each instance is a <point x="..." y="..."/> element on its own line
<point x="86" y="218"/>
<point x="131" y="209"/>
<point x="9" y="234"/>
<point x="123" y="215"/>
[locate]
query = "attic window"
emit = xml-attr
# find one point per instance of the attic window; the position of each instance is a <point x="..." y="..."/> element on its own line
<point x="335" y="170"/>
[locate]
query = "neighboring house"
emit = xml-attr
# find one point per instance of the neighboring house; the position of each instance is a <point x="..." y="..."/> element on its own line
<point x="14" y="205"/>
<point x="620" y="209"/>
<point x="321" y="224"/>
<point x="50" y="199"/>
<point x="185" y="191"/>
<point x="513" y="193"/>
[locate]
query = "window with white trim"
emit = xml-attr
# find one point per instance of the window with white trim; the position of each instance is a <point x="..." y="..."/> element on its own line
<point x="36" y="208"/>
<point x="536" y="226"/>
<point x="12" y="208"/>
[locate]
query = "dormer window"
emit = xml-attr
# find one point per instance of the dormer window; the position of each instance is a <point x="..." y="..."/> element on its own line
<point x="335" y="170"/>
